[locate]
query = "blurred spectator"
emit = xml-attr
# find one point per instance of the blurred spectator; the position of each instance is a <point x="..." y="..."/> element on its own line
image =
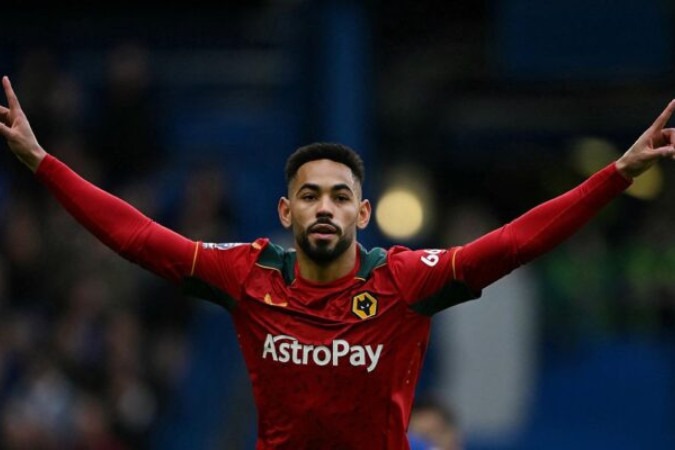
<point x="38" y="411"/>
<point x="436" y="423"/>
<point x="38" y="72"/>
<point x="418" y="443"/>
<point x="93" y="426"/>
<point x="206" y="214"/>
<point x="125" y="138"/>
<point x="132" y="399"/>
<point x="22" y="244"/>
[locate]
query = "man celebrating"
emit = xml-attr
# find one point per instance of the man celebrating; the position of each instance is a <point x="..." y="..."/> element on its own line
<point x="333" y="335"/>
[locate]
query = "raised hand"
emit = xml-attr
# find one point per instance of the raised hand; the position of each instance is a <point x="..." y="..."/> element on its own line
<point x="14" y="127"/>
<point x="655" y="143"/>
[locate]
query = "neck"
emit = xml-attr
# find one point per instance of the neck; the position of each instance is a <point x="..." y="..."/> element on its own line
<point x="325" y="273"/>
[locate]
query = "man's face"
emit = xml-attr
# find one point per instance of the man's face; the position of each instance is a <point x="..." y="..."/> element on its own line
<point x="324" y="209"/>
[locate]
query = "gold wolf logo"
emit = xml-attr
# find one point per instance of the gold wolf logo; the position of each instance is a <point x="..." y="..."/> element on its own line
<point x="364" y="305"/>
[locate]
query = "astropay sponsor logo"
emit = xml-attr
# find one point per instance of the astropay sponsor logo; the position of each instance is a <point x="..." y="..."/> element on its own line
<point x="287" y="349"/>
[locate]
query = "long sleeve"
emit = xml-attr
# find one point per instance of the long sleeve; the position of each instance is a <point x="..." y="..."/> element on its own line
<point x="119" y="225"/>
<point x="497" y="253"/>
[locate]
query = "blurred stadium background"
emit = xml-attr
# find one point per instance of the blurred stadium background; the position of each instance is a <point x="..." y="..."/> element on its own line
<point x="467" y="114"/>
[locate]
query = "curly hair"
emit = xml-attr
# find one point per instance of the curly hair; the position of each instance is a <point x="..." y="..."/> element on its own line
<point x="325" y="150"/>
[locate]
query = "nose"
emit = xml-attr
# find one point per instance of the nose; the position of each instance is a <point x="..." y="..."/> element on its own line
<point x="325" y="207"/>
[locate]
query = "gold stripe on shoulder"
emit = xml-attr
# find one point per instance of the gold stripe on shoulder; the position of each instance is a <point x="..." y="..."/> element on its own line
<point x="194" y="258"/>
<point x="454" y="269"/>
<point x="383" y="263"/>
<point x="267" y="267"/>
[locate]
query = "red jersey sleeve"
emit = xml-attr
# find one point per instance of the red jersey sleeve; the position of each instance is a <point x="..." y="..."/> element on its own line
<point x="431" y="280"/>
<point x="494" y="255"/>
<point x="141" y="240"/>
<point x="420" y="274"/>
<point x="117" y="224"/>
<point x="224" y="267"/>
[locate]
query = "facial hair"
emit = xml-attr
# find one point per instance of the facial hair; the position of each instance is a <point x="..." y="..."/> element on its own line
<point x="322" y="254"/>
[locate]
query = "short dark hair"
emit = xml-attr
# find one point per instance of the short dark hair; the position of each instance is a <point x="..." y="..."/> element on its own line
<point x="325" y="150"/>
<point x="434" y="405"/>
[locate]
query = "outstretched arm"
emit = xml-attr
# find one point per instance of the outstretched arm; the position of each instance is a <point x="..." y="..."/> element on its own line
<point x="494" y="255"/>
<point x="113" y="221"/>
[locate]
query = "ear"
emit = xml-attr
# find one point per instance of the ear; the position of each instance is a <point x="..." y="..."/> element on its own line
<point x="364" y="214"/>
<point x="284" y="209"/>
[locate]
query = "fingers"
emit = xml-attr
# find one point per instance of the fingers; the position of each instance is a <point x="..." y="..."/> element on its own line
<point x="12" y="100"/>
<point x="4" y="130"/>
<point x="669" y="135"/>
<point x="665" y="151"/>
<point x="4" y="121"/>
<point x="663" y="118"/>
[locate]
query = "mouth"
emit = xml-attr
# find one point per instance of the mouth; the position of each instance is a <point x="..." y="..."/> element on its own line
<point x="323" y="230"/>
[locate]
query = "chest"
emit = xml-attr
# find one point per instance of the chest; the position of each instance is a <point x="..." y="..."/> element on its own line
<point x="353" y="302"/>
<point x="359" y="325"/>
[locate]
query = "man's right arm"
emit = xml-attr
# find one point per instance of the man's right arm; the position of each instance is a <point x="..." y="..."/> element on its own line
<point x="117" y="224"/>
<point x="114" y="222"/>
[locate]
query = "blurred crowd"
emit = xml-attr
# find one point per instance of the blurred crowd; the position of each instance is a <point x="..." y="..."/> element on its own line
<point x="91" y="346"/>
<point x="614" y="278"/>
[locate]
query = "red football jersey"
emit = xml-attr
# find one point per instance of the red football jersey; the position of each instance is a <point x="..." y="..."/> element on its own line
<point x="333" y="366"/>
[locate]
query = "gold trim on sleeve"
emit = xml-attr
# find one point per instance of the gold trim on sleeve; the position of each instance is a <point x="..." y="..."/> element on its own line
<point x="194" y="258"/>
<point x="454" y="269"/>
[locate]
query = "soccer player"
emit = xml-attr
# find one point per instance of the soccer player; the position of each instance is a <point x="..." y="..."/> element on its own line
<point x="333" y="334"/>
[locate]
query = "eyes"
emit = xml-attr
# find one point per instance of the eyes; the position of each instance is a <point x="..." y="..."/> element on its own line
<point x="337" y="198"/>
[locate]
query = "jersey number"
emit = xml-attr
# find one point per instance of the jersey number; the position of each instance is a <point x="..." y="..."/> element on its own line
<point x="431" y="258"/>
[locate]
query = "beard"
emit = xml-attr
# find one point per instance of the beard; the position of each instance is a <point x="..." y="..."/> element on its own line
<point x="322" y="253"/>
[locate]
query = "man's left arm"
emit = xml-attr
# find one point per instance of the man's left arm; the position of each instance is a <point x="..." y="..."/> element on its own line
<point x="494" y="255"/>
